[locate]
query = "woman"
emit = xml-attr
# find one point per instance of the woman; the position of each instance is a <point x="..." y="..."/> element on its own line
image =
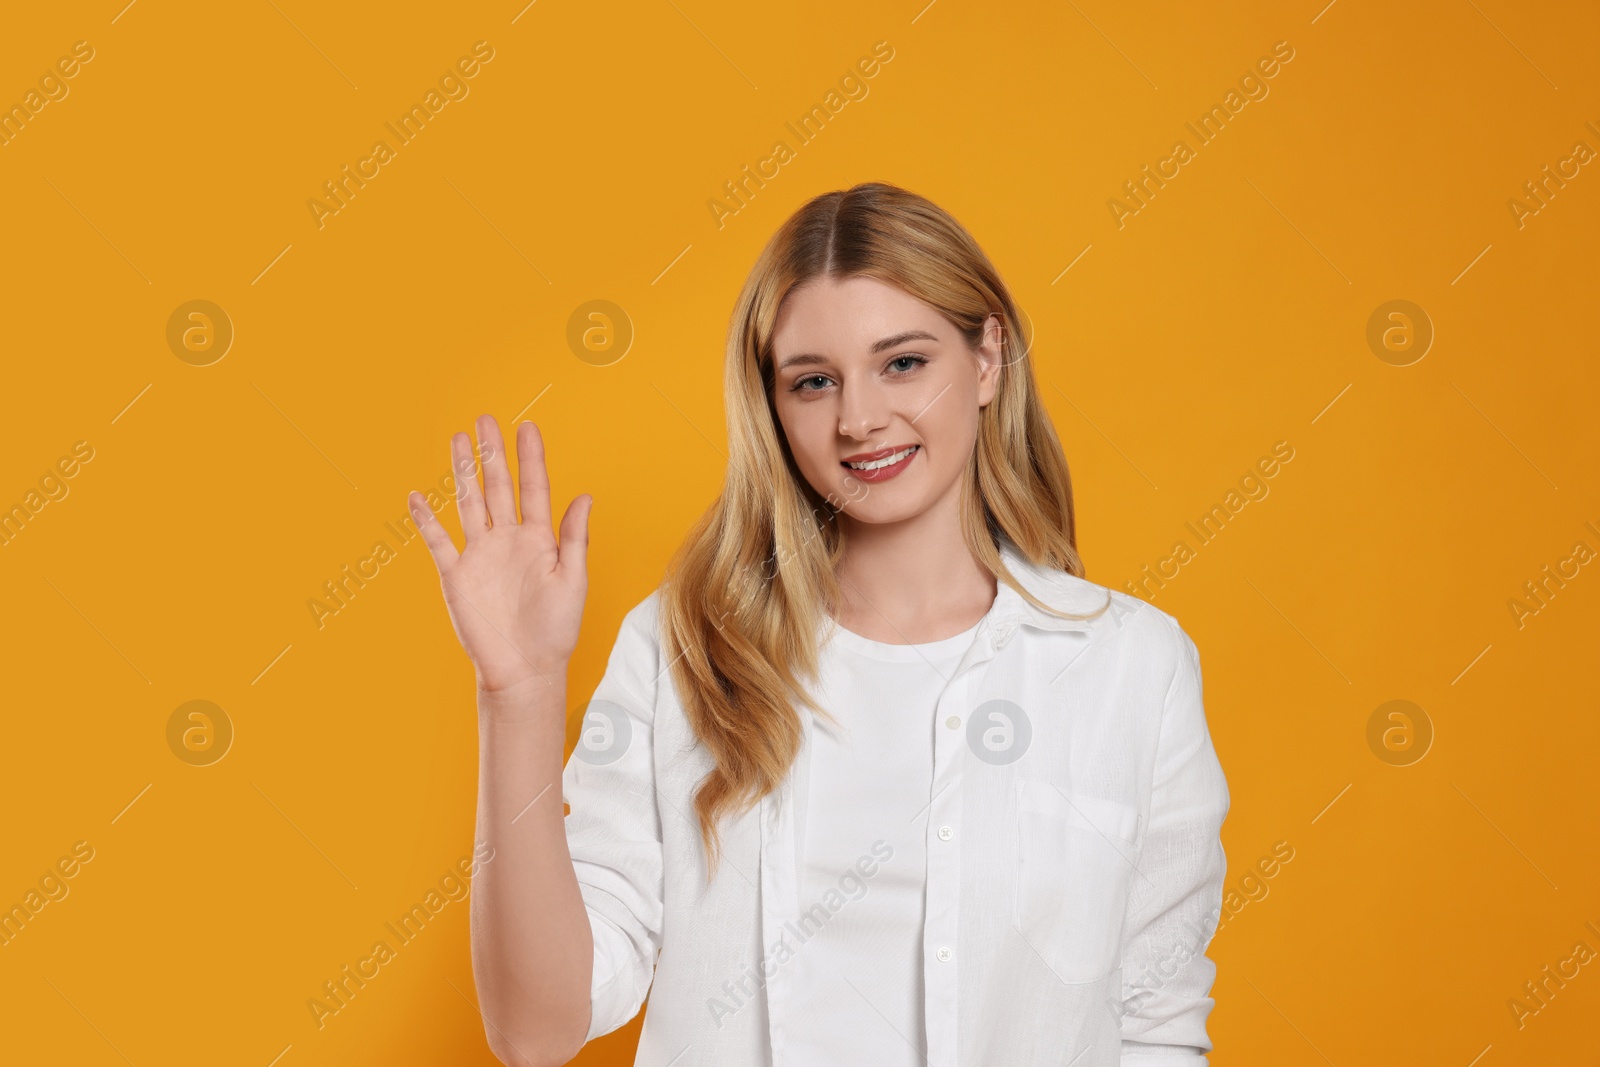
<point x="875" y="776"/>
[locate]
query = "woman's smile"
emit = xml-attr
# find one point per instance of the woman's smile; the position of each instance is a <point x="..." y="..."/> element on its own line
<point x="883" y="465"/>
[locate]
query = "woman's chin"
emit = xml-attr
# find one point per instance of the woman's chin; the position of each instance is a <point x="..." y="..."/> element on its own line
<point x="882" y="512"/>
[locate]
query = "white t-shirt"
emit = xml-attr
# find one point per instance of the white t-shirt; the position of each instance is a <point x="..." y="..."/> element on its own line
<point x="858" y="985"/>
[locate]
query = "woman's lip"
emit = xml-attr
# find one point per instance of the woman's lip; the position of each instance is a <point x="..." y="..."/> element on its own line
<point x="883" y="474"/>
<point x="882" y="453"/>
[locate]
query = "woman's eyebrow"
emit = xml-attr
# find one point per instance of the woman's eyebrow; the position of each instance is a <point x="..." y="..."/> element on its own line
<point x="901" y="338"/>
<point x="879" y="346"/>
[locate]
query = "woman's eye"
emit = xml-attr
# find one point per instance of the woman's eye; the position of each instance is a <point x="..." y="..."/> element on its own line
<point x="900" y="365"/>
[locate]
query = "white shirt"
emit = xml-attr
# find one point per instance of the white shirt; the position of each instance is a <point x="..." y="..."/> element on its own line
<point x="858" y="966"/>
<point x="1066" y="917"/>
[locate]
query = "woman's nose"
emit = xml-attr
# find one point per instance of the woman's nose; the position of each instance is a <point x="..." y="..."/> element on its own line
<point x="862" y="411"/>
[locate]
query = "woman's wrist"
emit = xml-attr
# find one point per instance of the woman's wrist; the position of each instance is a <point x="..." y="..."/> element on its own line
<point x="525" y="699"/>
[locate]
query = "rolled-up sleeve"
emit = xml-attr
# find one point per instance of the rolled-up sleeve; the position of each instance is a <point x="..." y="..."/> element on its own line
<point x="614" y="828"/>
<point x="1174" y="908"/>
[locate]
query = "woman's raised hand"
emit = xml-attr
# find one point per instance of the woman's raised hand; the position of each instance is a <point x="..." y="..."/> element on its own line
<point x="515" y="595"/>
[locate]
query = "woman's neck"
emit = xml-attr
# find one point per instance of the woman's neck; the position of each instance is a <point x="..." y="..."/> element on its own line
<point x="911" y="583"/>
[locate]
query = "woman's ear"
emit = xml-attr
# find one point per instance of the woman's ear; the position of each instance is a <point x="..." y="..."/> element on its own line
<point x="991" y="355"/>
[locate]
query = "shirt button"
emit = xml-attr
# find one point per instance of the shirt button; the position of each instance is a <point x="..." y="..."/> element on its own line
<point x="945" y="833"/>
<point x="954" y="722"/>
<point x="944" y="955"/>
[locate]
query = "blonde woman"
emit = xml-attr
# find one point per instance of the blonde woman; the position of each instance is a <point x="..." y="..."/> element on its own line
<point x="875" y="775"/>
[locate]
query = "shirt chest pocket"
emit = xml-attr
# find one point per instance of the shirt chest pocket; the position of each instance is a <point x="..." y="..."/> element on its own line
<point x="1075" y="864"/>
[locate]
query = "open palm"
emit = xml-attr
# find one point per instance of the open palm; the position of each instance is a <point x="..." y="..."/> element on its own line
<point x="515" y="595"/>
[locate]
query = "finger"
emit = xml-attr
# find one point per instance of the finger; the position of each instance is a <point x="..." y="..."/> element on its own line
<point x="469" y="501"/>
<point x="533" y="479"/>
<point x="496" y="472"/>
<point x="574" y="555"/>
<point x="440" y="547"/>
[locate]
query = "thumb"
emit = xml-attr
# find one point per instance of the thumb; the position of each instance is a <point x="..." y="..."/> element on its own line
<point x="573" y="551"/>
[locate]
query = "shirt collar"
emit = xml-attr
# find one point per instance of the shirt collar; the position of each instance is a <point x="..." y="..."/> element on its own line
<point x="1057" y="588"/>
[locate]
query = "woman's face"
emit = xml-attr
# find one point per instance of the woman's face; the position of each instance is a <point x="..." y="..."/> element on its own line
<point x="865" y="372"/>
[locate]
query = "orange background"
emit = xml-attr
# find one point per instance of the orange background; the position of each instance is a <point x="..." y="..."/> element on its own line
<point x="1228" y="314"/>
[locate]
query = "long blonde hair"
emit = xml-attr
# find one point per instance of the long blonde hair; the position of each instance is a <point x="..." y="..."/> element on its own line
<point x="746" y="591"/>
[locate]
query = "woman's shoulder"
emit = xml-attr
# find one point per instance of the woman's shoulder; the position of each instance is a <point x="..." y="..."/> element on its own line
<point x="1124" y="617"/>
<point x="638" y="634"/>
<point x="645" y="615"/>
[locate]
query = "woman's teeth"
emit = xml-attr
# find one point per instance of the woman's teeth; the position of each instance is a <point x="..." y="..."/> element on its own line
<point x="887" y="461"/>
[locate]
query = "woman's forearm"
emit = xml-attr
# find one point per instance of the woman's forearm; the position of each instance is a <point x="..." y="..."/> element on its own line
<point x="532" y="949"/>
